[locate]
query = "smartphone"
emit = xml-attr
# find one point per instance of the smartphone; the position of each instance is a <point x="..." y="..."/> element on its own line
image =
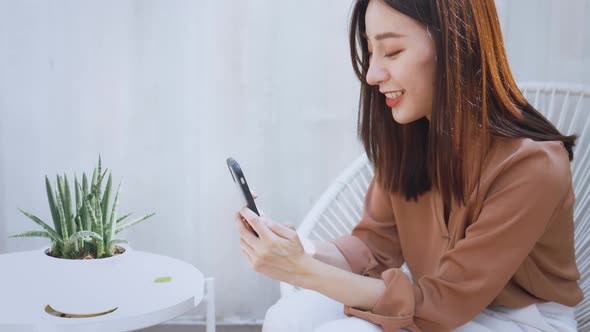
<point x="242" y="185"/>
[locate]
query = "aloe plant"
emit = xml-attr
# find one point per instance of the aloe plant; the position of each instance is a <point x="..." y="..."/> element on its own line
<point x="88" y="228"/>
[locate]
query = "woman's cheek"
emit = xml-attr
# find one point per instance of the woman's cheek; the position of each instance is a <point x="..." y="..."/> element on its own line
<point x="425" y="71"/>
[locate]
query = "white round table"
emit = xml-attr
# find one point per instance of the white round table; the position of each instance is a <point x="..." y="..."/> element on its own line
<point x="31" y="280"/>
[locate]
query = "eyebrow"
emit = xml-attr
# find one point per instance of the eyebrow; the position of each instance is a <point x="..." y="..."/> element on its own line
<point x="384" y="35"/>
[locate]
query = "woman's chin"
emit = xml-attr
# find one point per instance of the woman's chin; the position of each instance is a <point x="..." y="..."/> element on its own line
<point x="402" y="117"/>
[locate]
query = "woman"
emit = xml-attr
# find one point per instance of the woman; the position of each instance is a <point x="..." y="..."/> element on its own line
<point x="472" y="190"/>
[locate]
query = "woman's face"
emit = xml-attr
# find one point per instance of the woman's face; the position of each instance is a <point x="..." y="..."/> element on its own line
<point x="402" y="61"/>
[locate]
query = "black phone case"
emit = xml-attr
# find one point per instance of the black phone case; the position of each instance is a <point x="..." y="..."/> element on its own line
<point x="240" y="180"/>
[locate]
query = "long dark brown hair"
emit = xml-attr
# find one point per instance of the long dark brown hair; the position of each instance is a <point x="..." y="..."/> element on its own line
<point x="474" y="92"/>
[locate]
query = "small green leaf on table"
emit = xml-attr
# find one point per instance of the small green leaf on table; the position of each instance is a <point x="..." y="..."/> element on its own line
<point x="163" y="279"/>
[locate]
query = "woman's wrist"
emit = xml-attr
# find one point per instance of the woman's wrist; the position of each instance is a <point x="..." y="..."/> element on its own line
<point x="343" y="286"/>
<point x="307" y="270"/>
<point x="328" y="253"/>
<point x="308" y="246"/>
<point x="313" y="273"/>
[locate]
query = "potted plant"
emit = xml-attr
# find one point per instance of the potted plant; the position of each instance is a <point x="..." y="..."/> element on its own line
<point x="101" y="285"/>
<point x="87" y="229"/>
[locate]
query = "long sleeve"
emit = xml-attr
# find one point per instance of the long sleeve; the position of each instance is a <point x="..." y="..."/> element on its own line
<point x="374" y="244"/>
<point x="529" y="192"/>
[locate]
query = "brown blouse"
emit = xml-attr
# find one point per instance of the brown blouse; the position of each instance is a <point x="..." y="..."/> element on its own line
<point x="511" y="245"/>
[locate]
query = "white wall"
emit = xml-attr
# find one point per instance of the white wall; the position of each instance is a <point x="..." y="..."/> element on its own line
<point x="547" y="40"/>
<point x="166" y="90"/>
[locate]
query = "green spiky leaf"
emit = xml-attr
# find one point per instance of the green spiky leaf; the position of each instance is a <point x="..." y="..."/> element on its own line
<point x="106" y="199"/>
<point x="67" y="196"/>
<point x="94" y="179"/>
<point x="111" y="225"/>
<point x="78" y="195"/>
<point x="122" y="227"/>
<point x="91" y="215"/>
<point x="124" y="217"/>
<point x="60" y="208"/>
<point x="52" y="233"/>
<point x="85" y="219"/>
<point x="52" y="206"/>
<point x="32" y="234"/>
<point x="118" y="241"/>
<point x="99" y="248"/>
<point x="98" y="214"/>
<point x="84" y="185"/>
<point x="81" y="235"/>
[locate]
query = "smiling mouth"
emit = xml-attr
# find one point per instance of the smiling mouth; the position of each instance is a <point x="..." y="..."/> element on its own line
<point x="394" y="98"/>
<point x="395" y="94"/>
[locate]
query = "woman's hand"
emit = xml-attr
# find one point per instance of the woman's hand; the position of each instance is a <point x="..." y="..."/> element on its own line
<point x="277" y="252"/>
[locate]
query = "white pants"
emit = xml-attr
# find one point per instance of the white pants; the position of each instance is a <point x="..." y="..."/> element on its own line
<point x="307" y="311"/>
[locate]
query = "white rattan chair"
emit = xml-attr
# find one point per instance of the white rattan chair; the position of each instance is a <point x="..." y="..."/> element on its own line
<point x="340" y="207"/>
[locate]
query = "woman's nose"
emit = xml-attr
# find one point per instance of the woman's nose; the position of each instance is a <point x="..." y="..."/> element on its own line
<point x="376" y="73"/>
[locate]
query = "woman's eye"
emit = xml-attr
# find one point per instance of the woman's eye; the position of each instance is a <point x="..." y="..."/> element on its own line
<point x="391" y="55"/>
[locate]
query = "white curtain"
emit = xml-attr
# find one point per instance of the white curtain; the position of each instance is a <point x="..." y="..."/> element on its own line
<point x="165" y="91"/>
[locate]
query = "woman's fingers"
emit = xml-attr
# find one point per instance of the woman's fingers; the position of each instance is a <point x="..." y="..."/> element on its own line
<point x="245" y="254"/>
<point x="244" y="228"/>
<point x="284" y="231"/>
<point x="245" y="233"/>
<point x="257" y="224"/>
<point x="247" y="248"/>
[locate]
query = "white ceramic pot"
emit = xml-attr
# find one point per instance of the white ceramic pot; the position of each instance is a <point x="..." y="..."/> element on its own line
<point x="76" y="299"/>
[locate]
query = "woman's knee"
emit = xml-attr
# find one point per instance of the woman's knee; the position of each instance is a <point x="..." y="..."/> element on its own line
<point x="350" y="324"/>
<point x="285" y="315"/>
<point x="301" y="311"/>
<point x="279" y="318"/>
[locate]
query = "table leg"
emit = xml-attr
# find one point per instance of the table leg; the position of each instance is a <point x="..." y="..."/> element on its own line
<point x="210" y="298"/>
